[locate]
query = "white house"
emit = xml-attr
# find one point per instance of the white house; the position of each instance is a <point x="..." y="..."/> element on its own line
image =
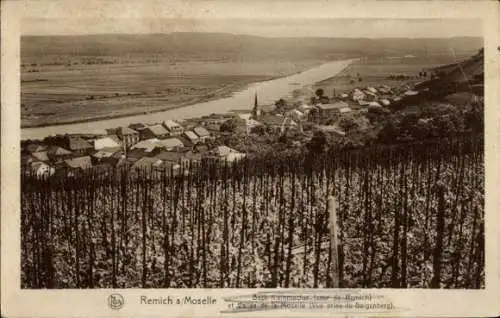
<point x="396" y="99"/>
<point x="146" y="164"/>
<point x="191" y="136"/>
<point x="78" y="164"/>
<point x="411" y="93"/>
<point x="251" y="124"/>
<point x="370" y="96"/>
<point x="128" y="136"/>
<point x="344" y="110"/>
<point x="154" y="131"/>
<point x="332" y="128"/>
<point x="40" y="156"/>
<point x="374" y="104"/>
<point x="203" y="133"/>
<point x="244" y="116"/>
<point x="106" y="142"/>
<point x="358" y="95"/>
<point x="106" y="153"/>
<point x="148" y="145"/>
<point x="344" y="96"/>
<point x="297" y="113"/>
<point x="173" y="127"/>
<point x="235" y="156"/>
<point x="41" y="169"/>
<point x="170" y="143"/>
<point x="385" y="102"/>
<point x="424" y="121"/>
<point x="305" y="108"/>
<point x="384" y="89"/>
<point x="229" y="154"/>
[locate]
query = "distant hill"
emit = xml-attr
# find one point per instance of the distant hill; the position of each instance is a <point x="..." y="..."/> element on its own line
<point x="466" y="75"/>
<point x="219" y="46"/>
<point x="470" y="70"/>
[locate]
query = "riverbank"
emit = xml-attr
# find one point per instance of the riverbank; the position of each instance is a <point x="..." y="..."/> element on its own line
<point x="56" y="95"/>
<point x="224" y="92"/>
<point x="378" y="72"/>
<point x="268" y="91"/>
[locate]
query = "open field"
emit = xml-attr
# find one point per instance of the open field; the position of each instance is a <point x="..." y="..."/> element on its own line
<point x="69" y="79"/>
<point x="62" y="94"/>
<point x="191" y="46"/>
<point x="376" y="73"/>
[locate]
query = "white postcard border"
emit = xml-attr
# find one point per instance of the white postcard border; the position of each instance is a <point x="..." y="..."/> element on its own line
<point x="61" y="303"/>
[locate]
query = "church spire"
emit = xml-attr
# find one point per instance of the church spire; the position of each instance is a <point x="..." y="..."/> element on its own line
<point x="255" y="110"/>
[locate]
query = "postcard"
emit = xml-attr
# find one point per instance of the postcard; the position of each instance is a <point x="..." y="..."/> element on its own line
<point x="285" y="158"/>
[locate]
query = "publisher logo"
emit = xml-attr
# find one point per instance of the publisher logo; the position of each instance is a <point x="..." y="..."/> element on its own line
<point x="115" y="301"/>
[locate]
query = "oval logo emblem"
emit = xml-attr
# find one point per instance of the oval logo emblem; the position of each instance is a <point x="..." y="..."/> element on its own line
<point x="115" y="301"/>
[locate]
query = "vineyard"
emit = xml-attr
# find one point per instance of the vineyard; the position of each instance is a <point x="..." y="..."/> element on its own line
<point x="410" y="216"/>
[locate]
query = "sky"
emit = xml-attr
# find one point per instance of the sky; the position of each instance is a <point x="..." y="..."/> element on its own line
<point x="373" y="28"/>
<point x="278" y="18"/>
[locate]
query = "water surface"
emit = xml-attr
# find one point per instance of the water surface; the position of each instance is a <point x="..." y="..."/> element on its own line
<point x="267" y="91"/>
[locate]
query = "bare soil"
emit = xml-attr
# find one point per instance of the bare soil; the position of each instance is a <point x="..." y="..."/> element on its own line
<point x="58" y="94"/>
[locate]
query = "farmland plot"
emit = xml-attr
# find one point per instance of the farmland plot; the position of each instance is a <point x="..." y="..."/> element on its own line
<point x="65" y="94"/>
<point x="410" y="216"/>
<point x="375" y="73"/>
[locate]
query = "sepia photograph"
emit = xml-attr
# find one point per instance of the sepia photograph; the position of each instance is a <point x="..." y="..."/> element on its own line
<point x="212" y="158"/>
<point x="233" y="153"/>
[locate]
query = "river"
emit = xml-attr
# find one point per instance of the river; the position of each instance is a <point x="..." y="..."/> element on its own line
<point x="267" y="91"/>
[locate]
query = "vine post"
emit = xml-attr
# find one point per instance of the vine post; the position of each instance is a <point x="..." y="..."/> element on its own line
<point x="334" y="241"/>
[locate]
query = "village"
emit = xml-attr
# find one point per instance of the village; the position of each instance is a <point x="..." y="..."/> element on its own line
<point x="259" y="151"/>
<point x="169" y="145"/>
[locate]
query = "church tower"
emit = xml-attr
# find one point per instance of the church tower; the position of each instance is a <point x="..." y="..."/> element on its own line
<point x="255" y="110"/>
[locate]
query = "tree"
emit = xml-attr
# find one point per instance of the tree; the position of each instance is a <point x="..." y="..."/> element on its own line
<point x="228" y="126"/>
<point x="448" y="125"/>
<point x="376" y="110"/>
<point x="474" y="119"/>
<point x="296" y="93"/>
<point x="318" y="142"/>
<point x="212" y="143"/>
<point x="389" y="132"/>
<point x="347" y="123"/>
<point x="330" y="121"/>
<point x="281" y="105"/>
<point x="320" y="93"/>
<point x="324" y="100"/>
<point x="307" y="126"/>
<point x="259" y="130"/>
<point x="284" y="137"/>
<point x="423" y="130"/>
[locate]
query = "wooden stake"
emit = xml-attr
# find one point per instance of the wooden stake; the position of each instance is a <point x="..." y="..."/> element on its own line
<point x="334" y="241"/>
